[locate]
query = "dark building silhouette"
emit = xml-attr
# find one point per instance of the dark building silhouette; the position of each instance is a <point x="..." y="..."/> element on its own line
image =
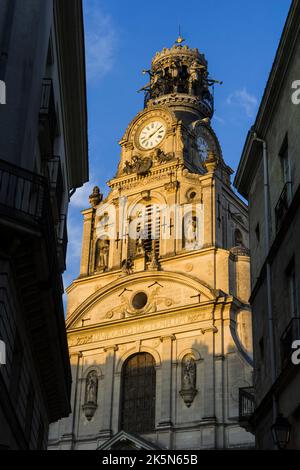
<point x="43" y="158"/>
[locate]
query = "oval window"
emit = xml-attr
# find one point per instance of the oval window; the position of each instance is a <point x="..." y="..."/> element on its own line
<point x="139" y="300"/>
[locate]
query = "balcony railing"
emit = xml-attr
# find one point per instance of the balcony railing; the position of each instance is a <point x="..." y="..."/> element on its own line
<point x="246" y="405"/>
<point x="47" y="119"/>
<point x="22" y="193"/>
<point x="282" y="205"/>
<point x="291" y="333"/>
<point x="25" y="206"/>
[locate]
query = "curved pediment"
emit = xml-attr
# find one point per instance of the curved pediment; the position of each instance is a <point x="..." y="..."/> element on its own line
<point x="138" y="295"/>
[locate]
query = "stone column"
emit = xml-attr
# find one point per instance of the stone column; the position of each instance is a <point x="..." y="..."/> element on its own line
<point x="106" y="427"/>
<point x="209" y="373"/>
<point x="68" y="424"/>
<point x="166" y="381"/>
<point x="209" y="210"/>
<point x="86" y="241"/>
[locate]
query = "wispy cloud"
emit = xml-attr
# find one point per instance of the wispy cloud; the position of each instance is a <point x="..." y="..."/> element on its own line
<point x="75" y="226"/>
<point x="243" y="99"/>
<point x="80" y="200"/>
<point x="100" y="40"/>
<point x="219" y="119"/>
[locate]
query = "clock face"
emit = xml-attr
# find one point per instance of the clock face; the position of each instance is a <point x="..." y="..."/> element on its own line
<point x="203" y="148"/>
<point x="152" y="134"/>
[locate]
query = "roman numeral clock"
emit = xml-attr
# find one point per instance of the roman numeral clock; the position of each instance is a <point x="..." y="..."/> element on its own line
<point x="151" y="134"/>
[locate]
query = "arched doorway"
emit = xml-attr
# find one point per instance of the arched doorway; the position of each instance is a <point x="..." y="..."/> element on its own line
<point x="138" y="394"/>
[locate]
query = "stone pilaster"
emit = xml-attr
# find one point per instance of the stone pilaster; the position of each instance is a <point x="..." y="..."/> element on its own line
<point x="86" y="241"/>
<point x="106" y="425"/>
<point x="209" y="374"/>
<point x="166" y="381"/>
<point x="68" y="424"/>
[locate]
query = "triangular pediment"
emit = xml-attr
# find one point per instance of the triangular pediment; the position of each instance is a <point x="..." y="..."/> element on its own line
<point x="125" y="441"/>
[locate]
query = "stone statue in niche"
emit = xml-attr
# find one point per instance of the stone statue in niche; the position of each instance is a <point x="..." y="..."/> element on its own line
<point x="91" y="387"/>
<point x="188" y="379"/>
<point x="91" y="395"/>
<point x="191" y="233"/>
<point x="102" y="253"/>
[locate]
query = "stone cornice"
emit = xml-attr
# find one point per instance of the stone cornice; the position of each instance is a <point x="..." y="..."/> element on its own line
<point x="158" y="171"/>
<point x="70" y="31"/>
<point x="150" y="326"/>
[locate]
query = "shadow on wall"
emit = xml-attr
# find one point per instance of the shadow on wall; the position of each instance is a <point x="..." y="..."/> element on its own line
<point x="128" y="388"/>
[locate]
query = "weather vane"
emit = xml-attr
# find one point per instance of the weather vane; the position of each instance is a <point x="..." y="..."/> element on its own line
<point x="180" y="39"/>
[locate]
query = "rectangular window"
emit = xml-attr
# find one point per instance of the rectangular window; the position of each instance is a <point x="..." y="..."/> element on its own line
<point x="257" y="232"/>
<point x="293" y="289"/>
<point x="286" y="167"/>
<point x="285" y="197"/>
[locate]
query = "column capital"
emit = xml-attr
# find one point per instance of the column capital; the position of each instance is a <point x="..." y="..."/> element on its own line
<point x="76" y="354"/>
<point x="209" y="328"/>
<point x="88" y="213"/>
<point x="113" y="348"/>
<point x="167" y="337"/>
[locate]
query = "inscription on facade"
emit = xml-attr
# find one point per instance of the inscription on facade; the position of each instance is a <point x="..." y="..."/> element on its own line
<point x="115" y="332"/>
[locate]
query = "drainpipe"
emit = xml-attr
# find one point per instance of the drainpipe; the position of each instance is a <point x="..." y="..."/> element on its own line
<point x="268" y="266"/>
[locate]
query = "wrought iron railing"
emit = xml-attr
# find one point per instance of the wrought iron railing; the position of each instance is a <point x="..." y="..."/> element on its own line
<point x="290" y="334"/>
<point x="25" y="202"/>
<point x="246" y="403"/>
<point x="282" y="205"/>
<point x="22" y="193"/>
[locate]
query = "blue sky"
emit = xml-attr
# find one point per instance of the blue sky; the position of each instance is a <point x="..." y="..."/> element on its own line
<point x="239" y="39"/>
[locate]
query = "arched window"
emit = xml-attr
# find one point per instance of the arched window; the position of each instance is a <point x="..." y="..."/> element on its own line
<point x="138" y="394"/>
<point x="147" y="228"/>
<point x="238" y="238"/>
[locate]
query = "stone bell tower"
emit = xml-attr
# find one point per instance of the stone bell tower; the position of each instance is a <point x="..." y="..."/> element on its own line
<point x="159" y="324"/>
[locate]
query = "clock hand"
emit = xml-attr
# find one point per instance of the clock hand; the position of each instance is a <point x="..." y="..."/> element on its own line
<point x="154" y="132"/>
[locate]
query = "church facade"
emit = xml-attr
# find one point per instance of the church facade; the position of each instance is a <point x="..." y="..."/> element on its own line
<point x="159" y="325"/>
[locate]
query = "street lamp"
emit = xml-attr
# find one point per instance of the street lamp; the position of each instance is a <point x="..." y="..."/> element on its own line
<point x="281" y="431"/>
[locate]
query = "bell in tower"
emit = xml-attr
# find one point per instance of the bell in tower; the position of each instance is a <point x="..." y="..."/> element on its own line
<point x="159" y="315"/>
